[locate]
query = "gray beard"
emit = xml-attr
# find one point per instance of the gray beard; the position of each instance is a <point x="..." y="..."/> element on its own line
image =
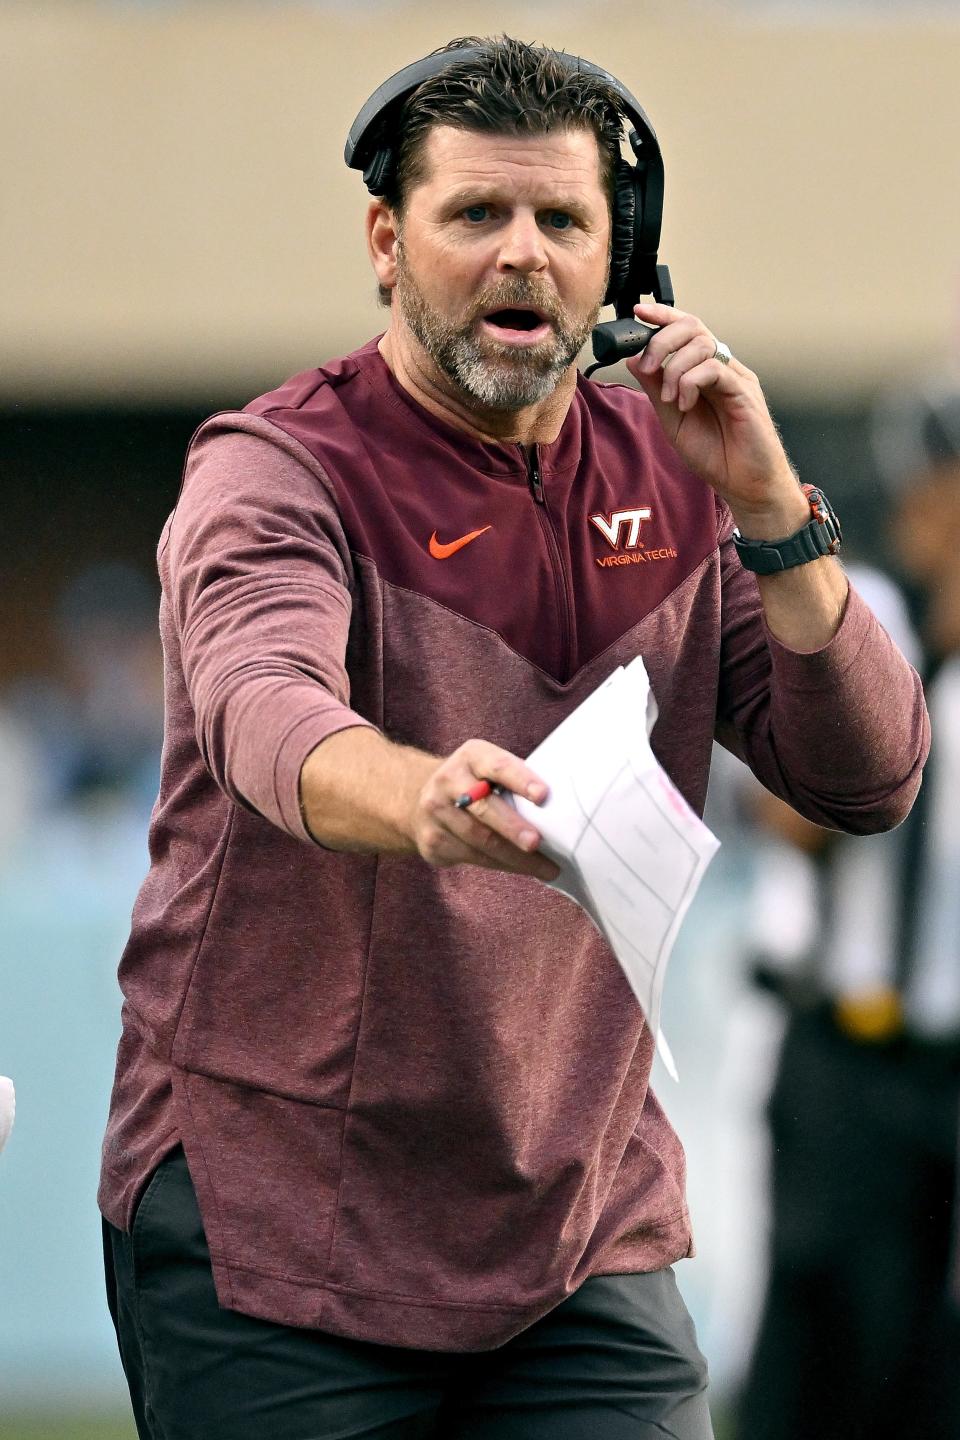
<point x="497" y="378"/>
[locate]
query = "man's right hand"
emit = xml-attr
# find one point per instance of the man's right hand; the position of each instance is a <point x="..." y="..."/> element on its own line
<point x="361" y="792"/>
<point x="489" y="832"/>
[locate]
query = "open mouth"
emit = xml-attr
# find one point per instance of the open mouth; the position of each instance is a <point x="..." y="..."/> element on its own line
<point x="515" y="319"/>
<point x="517" y="323"/>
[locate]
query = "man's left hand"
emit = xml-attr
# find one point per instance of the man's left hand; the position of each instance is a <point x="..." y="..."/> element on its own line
<point x="716" y="417"/>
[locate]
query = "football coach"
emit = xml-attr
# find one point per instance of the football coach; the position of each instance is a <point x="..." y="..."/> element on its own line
<point x="382" y="1158"/>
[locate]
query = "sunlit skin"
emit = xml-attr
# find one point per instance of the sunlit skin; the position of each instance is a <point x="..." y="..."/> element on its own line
<point x="494" y="208"/>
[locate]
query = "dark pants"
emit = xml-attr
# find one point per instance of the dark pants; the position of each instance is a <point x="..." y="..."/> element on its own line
<point x="859" y="1337"/>
<point x="617" y="1359"/>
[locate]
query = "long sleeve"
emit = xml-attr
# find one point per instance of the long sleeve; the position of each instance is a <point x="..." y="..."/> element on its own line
<point x="841" y="733"/>
<point x="257" y="574"/>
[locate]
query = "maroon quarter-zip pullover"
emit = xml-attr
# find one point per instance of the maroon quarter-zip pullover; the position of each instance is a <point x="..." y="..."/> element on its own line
<point x="415" y="1102"/>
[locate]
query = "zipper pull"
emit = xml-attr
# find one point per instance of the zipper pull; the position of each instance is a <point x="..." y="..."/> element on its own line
<point x="533" y="470"/>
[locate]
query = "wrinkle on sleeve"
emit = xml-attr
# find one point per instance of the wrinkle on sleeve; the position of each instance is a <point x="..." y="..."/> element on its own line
<point x="257" y="572"/>
<point x="841" y="733"/>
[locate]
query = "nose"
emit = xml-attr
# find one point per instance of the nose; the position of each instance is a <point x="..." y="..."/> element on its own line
<point x="522" y="248"/>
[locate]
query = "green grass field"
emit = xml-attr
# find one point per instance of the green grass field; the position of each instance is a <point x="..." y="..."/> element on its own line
<point x="113" y="1427"/>
<point x="66" y="1427"/>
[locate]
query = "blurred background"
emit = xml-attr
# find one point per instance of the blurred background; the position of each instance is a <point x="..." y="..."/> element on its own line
<point x="179" y="234"/>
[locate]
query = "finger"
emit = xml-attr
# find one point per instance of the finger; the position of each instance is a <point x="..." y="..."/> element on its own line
<point x="494" y="815"/>
<point x="484" y="816"/>
<point x="655" y="313"/>
<point x="493" y="829"/>
<point x="459" y="838"/>
<point x="496" y="849"/>
<point x="671" y="338"/>
<point x="441" y="848"/>
<point x="701" y="347"/>
<point x="651" y="385"/>
<point x="489" y="762"/>
<point x="709" y="376"/>
<point x="534" y="867"/>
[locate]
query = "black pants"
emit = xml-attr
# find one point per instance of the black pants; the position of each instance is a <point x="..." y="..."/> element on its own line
<point x="617" y="1359"/>
<point x="859" y="1337"/>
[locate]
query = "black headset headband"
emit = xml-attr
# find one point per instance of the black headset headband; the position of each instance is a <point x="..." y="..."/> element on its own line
<point x="361" y="144"/>
<point x="638" y="204"/>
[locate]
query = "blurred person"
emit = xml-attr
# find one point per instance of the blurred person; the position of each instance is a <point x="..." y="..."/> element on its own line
<point x="382" y="1155"/>
<point x="860" y="1330"/>
<point x="20" y="770"/>
<point x="21" y="780"/>
<point x="97" y="719"/>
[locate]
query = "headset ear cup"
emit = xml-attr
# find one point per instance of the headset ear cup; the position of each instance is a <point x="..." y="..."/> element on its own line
<point x="623" y="228"/>
<point x="378" y="176"/>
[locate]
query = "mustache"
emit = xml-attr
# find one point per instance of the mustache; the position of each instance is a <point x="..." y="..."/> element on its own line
<point x="517" y="291"/>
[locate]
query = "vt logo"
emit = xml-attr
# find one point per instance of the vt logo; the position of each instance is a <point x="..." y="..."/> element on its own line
<point x="622" y="520"/>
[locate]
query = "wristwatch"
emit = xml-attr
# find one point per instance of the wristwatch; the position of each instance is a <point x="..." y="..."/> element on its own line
<point x="820" y="536"/>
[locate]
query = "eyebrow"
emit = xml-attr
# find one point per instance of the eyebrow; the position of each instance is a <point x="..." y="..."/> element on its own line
<point x="487" y="192"/>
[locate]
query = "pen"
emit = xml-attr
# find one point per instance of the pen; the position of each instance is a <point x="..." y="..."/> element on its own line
<point x="480" y="791"/>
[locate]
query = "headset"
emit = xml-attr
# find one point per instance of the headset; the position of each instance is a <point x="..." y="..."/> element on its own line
<point x="637" y="204"/>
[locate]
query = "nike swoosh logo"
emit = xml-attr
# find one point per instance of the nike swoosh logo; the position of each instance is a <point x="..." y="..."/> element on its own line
<point x="443" y="552"/>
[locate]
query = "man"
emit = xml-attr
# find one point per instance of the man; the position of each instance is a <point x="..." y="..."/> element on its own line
<point x="382" y="1156"/>
<point x="861" y="1320"/>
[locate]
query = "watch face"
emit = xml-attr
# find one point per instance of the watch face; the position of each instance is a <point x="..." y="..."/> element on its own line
<point x="825" y="515"/>
<point x="821" y="535"/>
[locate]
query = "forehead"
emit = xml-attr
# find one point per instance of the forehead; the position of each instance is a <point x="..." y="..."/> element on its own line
<point x="456" y="159"/>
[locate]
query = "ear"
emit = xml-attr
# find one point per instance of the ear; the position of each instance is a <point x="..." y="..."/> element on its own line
<point x="383" y="234"/>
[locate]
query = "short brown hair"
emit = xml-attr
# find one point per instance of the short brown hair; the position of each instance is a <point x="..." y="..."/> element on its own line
<point x="510" y="88"/>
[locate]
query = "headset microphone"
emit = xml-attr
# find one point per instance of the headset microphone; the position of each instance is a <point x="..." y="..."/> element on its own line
<point x="637" y="203"/>
<point x="618" y="340"/>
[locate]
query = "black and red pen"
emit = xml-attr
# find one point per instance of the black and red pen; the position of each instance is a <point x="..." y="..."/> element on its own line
<point x="480" y="791"/>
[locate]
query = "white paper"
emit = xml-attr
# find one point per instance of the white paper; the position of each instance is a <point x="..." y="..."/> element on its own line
<point x="630" y="849"/>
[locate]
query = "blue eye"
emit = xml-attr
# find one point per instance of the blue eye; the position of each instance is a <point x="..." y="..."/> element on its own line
<point x="560" y="220"/>
<point x="475" y="213"/>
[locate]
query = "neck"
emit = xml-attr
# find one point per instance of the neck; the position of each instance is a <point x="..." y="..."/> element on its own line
<point x="415" y="370"/>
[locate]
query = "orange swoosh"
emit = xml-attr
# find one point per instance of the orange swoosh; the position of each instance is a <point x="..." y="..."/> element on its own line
<point x="443" y="552"/>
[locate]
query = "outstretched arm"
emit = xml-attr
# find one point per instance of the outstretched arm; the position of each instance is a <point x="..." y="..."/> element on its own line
<point x="359" y="791"/>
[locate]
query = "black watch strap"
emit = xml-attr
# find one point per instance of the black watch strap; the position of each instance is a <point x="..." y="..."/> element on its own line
<point x="820" y="536"/>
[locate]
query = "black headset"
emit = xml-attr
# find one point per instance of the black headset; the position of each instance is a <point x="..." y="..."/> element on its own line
<point x="637" y="205"/>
